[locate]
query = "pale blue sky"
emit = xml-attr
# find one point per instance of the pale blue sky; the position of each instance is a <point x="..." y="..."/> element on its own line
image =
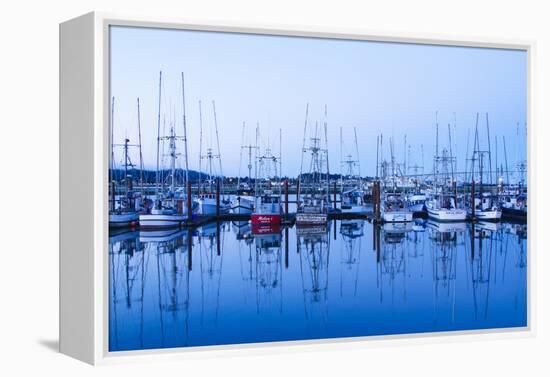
<point x="377" y="87"/>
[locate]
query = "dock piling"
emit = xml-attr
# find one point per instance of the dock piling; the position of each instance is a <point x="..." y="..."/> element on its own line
<point x="218" y="197"/>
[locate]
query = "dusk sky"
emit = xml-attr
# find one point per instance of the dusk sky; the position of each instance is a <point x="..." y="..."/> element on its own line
<point x="377" y="87"/>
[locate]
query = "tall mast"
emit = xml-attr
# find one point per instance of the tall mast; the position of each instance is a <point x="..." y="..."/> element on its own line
<point x="200" y="146"/>
<point x="280" y="155"/>
<point x="436" y="164"/>
<point x="489" y="147"/>
<point x="140" y="153"/>
<point x="241" y="156"/>
<point x="377" y="146"/>
<point x="158" y="137"/>
<point x="112" y="139"/>
<point x="184" y="130"/>
<point x="256" y="167"/>
<point x="341" y="161"/>
<point x="217" y="140"/>
<point x="506" y="161"/>
<point x="302" y="157"/>
<point x="405" y="156"/>
<point x="357" y="153"/>
<point x="326" y="154"/>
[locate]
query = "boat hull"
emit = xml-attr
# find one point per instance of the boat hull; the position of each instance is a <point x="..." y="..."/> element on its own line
<point x="258" y="219"/>
<point x="514" y="214"/>
<point x="120" y="220"/>
<point x="242" y="206"/>
<point x="311" y="219"/>
<point x="447" y="214"/>
<point x="397" y="217"/>
<point x="492" y="215"/>
<point x="161" y="220"/>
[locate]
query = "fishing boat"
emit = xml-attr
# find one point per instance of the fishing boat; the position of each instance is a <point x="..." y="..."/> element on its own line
<point x="443" y="204"/>
<point x="514" y="206"/>
<point x="352" y="194"/>
<point x="244" y="202"/>
<point x="168" y="210"/>
<point x="485" y="204"/>
<point x="313" y="192"/>
<point x="394" y="209"/>
<point x="124" y="209"/>
<point x="416" y="202"/>
<point x="443" y="207"/>
<point x="267" y="207"/>
<point x="206" y="201"/>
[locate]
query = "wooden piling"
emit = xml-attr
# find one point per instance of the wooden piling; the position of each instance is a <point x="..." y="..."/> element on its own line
<point x="473" y="199"/>
<point x="189" y="203"/>
<point x="113" y="196"/>
<point x="286" y="247"/>
<point x="286" y="199"/>
<point x="218" y="243"/>
<point x="298" y="193"/>
<point x="218" y="197"/>
<point x="190" y="249"/>
<point x="334" y="195"/>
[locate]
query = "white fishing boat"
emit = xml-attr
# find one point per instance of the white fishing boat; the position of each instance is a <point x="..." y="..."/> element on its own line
<point x="486" y="208"/>
<point x="313" y="192"/>
<point x="206" y="201"/>
<point x="267" y="186"/>
<point x="444" y="209"/>
<point x="123" y="219"/>
<point x="394" y="209"/>
<point x="443" y="203"/>
<point x="161" y="218"/>
<point x="169" y="209"/>
<point x="242" y="205"/>
<point x="206" y="204"/>
<point x="416" y="202"/>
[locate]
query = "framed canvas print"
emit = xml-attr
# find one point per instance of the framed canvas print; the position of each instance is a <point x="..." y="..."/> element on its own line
<point x="236" y="186"/>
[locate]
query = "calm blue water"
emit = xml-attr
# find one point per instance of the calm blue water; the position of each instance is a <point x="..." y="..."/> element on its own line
<point x="223" y="285"/>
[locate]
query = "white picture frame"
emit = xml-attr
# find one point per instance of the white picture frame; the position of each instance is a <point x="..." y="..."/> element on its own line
<point x="84" y="155"/>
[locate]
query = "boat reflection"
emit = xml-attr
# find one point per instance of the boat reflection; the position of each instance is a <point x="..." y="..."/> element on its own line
<point x="233" y="283"/>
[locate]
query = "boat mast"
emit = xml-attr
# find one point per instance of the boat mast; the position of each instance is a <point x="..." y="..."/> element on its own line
<point x="112" y="139"/>
<point x="326" y="156"/>
<point x="218" y="143"/>
<point x="140" y="153"/>
<point x="489" y="148"/>
<point x="184" y="131"/>
<point x="377" y="145"/>
<point x="357" y="154"/>
<point x="200" y="147"/>
<point x="158" y="138"/>
<point x="302" y="157"/>
<point x="506" y="161"/>
<point x="256" y="167"/>
<point x="241" y="157"/>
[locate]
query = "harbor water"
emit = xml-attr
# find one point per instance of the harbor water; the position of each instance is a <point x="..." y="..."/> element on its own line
<point x="226" y="283"/>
